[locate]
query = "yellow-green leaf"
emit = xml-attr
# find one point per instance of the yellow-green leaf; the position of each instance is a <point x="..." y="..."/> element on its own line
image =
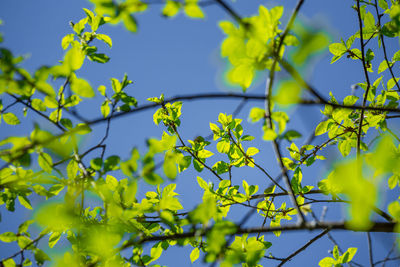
<point x="288" y="93"/>
<point x="24" y="201"/>
<point x="67" y="40"/>
<point x="74" y="58"/>
<point x="193" y="10"/>
<point x="171" y="8"/>
<point x="10" y="118"/>
<point x="82" y="88"/>
<point x="105" y="38"/>
<point x="45" y="162"/>
<point x="194" y="255"/>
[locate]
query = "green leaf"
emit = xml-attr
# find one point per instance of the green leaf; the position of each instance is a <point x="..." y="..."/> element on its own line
<point x="72" y="169"/>
<point x="194" y="255"/>
<point x="156" y="251"/>
<point x="369" y="21"/>
<point x="89" y="15"/>
<point x="53" y="239"/>
<point x="105" y="109"/>
<point x="290" y="135"/>
<point x="394" y="209"/>
<point x="8" y="237"/>
<point x="383" y="4"/>
<point x="74" y="58"/>
<point x="45" y="162"/>
<point x="348" y="255"/>
<point x="169" y="165"/>
<point x="203" y="184"/>
<point x="102" y="90"/>
<point x="335" y="252"/>
<point x="242" y="75"/>
<point x="337" y="49"/>
<point x="321" y="128"/>
<point x="269" y="134"/>
<point x="38" y="104"/>
<point x="193" y="10"/>
<point x="171" y="8"/>
<point x="25" y="202"/>
<point x="350" y="100"/>
<point x="256" y="114"/>
<point x="10" y="118"/>
<point x="252" y="151"/>
<point x="214" y="128"/>
<point x="326" y="262"/>
<point x="391" y="83"/>
<point x="112" y="182"/>
<point x="67" y="40"/>
<point x="9" y="263"/>
<point x="383" y="66"/>
<point x="345" y="147"/>
<point x="23" y="227"/>
<point x="82" y="88"/>
<point x="27" y="262"/>
<point x="129" y="22"/>
<point x="96" y="164"/>
<point x="223" y="146"/>
<point x="105" y="38"/>
<point x="100" y="58"/>
<point x="153" y="179"/>
<point x="289" y="92"/>
<point x="393" y="181"/>
<point x="80" y="26"/>
<point x="40" y="256"/>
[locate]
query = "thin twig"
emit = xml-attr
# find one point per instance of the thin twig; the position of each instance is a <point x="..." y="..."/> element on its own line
<point x="37" y="112"/>
<point x="255" y="164"/>
<point x="364" y="102"/>
<point x="230" y="11"/>
<point x="304" y="247"/>
<point x="384" y="47"/>
<point x="268" y="110"/>
<point x="388" y="254"/>
<point x="371" y="258"/>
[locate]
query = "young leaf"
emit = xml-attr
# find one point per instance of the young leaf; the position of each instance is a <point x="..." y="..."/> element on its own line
<point x="10" y="118"/>
<point x="171" y="8"/>
<point x="194" y="255"/>
<point x="105" y="38"/>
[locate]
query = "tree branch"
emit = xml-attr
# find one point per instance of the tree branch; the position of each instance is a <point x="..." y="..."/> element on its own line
<point x="383" y="227"/>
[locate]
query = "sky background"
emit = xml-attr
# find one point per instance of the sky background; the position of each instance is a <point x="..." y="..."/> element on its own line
<point x="181" y="56"/>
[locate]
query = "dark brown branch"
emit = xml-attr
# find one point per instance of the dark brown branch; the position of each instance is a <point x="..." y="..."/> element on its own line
<point x="387" y="259"/>
<point x="371" y="258"/>
<point x="383" y="227"/>
<point x="230" y="11"/>
<point x="194" y="97"/>
<point x="9" y="106"/>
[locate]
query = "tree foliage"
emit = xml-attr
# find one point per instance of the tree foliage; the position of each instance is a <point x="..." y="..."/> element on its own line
<point x="138" y="213"/>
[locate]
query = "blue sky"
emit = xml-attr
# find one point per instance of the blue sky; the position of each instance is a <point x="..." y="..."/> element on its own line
<point x="181" y="56"/>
